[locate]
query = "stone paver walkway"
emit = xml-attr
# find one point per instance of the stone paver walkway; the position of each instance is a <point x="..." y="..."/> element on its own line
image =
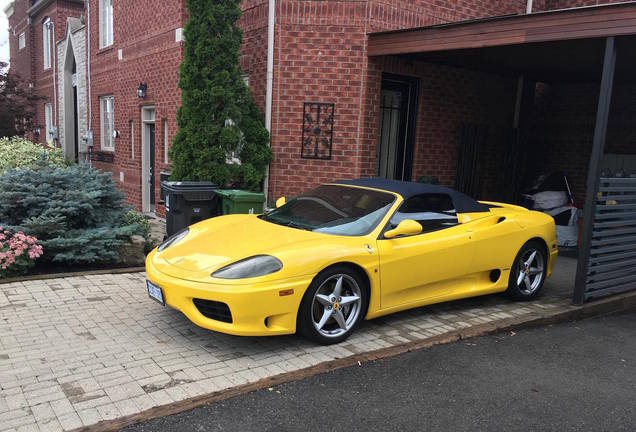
<point x="78" y="350"/>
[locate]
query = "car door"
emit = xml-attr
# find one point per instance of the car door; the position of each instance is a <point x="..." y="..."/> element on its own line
<point x="497" y="239"/>
<point x="428" y="265"/>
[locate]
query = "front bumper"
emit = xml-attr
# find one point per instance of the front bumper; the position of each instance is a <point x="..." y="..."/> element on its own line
<point x="257" y="309"/>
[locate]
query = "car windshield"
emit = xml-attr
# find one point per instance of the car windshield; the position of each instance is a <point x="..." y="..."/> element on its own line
<point x="333" y="209"/>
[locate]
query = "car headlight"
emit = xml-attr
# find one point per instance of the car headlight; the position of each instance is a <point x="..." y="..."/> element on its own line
<point x="175" y="238"/>
<point x="258" y="265"/>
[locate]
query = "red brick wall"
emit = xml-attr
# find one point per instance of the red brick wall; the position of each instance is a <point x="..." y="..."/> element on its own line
<point x="399" y="14"/>
<point x="565" y="4"/>
<point x="321" y="56"/>
<point x="29" y="62"/>
<point x="150" y="54"/>
<point x="20" y="59"/>
<point x="253" y="58"/>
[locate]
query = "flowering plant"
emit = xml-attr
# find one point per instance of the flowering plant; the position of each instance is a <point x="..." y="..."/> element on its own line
<point x="18" y="253"/>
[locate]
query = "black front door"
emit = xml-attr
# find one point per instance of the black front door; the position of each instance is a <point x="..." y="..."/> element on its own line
<point x="398" y="109"/>
<point x="151" y="134"/>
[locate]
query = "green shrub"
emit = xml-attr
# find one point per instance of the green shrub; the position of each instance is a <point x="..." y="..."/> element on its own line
<point x="139" y="222"/>
<point x="217" y="120"/>
<point x="76" y="212"/>
<point x="18" y="152"/>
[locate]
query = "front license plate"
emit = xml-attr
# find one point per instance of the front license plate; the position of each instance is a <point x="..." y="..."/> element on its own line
<point x="155" y="293"/>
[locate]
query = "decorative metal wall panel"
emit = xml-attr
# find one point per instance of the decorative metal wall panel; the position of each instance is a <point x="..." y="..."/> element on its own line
<point x="612" y="261"/>
<point x="317" y="130"/>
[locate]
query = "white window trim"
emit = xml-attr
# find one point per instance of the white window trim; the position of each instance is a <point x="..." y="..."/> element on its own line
<point x="46" y="43"/>
<point x="132" y="140"/>
<point x="106" y="26"/>
<point x="48" y="122"/>
<point x="21" y="41"/>
<point x="107" y="143"/>
<point x="165" y="141"/>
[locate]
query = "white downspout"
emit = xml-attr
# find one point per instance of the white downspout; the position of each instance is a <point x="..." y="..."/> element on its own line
<point x="88" y="63"/>
<point x="529" y="7"/>
<point x="89" y="131"/>
<point x="54" y="49"/>
<point x="271" y="21"/>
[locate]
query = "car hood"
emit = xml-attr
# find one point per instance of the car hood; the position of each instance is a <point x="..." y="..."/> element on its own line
<point x="217" y="242"/>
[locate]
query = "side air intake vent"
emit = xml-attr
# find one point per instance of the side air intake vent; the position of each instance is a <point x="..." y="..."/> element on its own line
<point x="494" y="275"/>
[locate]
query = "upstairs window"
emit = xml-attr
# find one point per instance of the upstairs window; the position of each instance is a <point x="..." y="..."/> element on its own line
<point x="46" y="43"/>
<point x="107" y="122"/>
<point x="21" y="41"/>
<point x="432" y="211"/>
<point x="105" y="23"/>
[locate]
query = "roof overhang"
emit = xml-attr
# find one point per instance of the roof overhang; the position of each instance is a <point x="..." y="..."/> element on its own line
<point x="579" y="23"/>
<point x="563" y="45"/>
<point x="36" y="8"/>
<point x="9" y="9"/>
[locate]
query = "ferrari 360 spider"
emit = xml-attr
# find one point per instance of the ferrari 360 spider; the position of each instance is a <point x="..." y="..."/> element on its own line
<point x="351" y="250"/>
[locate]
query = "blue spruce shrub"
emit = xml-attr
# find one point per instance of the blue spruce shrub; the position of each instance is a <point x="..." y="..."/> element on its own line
<point x="76" y="212"/>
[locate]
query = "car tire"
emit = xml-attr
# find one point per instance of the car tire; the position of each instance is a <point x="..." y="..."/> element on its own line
<point x="528" y="272"/>
<point x="329" y="313"/>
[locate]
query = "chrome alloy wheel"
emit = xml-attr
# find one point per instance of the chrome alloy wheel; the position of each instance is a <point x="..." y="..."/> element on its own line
<point x="336" y="305"/>
<point x="531" y="268"/>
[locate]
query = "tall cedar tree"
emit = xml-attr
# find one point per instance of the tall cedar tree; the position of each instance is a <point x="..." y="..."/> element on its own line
<point x="17" y="104"/>
<point x="217" y="115"/>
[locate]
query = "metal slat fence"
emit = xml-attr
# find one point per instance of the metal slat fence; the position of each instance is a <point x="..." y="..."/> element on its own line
<point x="612" y="259"/>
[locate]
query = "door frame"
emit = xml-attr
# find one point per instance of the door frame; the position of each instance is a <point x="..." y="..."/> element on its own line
<point x="146" y="120"/>
<point x="411" y="118"/>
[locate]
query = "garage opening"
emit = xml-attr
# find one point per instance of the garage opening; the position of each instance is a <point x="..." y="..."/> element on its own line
<point x="537" y="110"/>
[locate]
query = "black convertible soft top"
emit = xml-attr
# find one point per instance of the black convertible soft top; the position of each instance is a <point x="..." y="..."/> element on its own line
<point x="463" y="203"/>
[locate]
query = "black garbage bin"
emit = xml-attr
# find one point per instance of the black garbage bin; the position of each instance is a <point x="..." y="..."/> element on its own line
<point x="188" y="202"/>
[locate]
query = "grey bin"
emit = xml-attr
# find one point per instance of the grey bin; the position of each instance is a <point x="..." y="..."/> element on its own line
<point x="189" y="202"/>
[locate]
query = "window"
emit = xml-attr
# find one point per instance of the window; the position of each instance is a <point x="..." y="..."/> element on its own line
<point x="107" y="122"/>
<point x="432" y="211"/>
<point x="48" y="121"/>
<point x="333" y="209"/>
<point x="105" y="23"/>
<point x="21" y="41"/>
<point x="46" y="42"/>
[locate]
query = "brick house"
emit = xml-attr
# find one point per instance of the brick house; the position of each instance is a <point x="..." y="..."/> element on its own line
<point x="398" y="116"/>
<point x="34" y="28"/>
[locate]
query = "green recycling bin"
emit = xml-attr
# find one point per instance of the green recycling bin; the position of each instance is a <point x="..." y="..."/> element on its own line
<point x="236" y="201"/>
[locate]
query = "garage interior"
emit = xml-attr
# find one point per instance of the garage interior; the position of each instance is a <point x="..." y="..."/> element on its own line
<point x="570" y="117"/>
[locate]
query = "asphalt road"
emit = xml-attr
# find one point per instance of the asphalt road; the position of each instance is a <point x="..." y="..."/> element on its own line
<point x="570" y="377"/>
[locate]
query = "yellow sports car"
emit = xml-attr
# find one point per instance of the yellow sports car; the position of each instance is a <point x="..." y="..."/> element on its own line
<point x="354" y="249"/>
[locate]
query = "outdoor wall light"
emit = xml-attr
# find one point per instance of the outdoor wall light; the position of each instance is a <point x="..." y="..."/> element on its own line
<point x="141" y="90"/>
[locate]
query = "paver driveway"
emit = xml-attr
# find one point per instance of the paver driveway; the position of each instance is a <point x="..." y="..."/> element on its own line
<point x="78" y="350"/>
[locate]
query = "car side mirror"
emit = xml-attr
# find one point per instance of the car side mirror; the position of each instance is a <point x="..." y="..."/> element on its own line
<point x="280" y="202"/>
<point x="407" y="227"/>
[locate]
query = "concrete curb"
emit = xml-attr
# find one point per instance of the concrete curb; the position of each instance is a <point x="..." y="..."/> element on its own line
<point x="72" y="274"/>
<point x="569" y="313"/>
